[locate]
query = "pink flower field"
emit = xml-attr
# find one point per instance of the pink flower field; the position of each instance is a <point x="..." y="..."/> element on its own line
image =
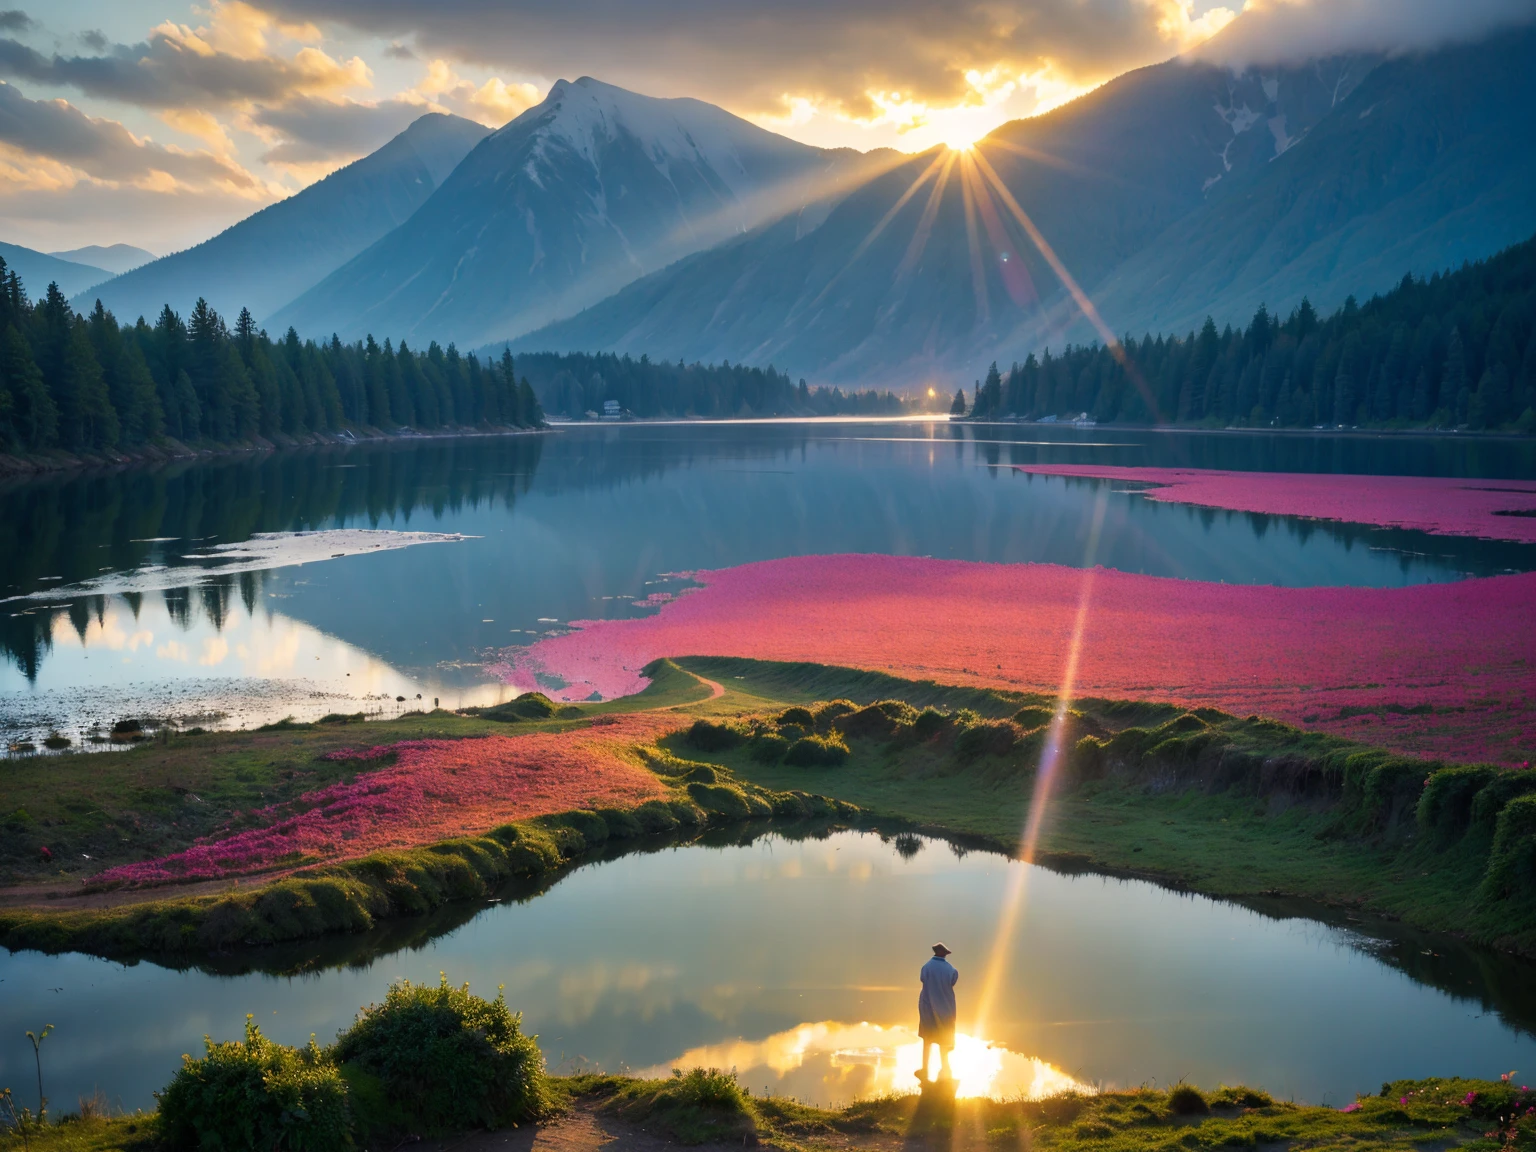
<point x="1442" y="669"/>
<point x="1447" y="507"/>
<point x="434" y="789"/>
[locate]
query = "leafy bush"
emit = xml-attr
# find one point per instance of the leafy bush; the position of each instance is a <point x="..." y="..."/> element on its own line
<point x="929" y="723"/>
<point x="800" y="717"/>
<point x="816" y="752"/>
<point x="258" y="1096"/>
<point x="451" y="1060"/>
<point x="1032" y="716"/>
<point x="528" y="706"/>
<point x="1445" y="807"/>
<point x="1186" y="1100"/>
<point x="768" y="748"/>
<point x="707" y="736"/>
<point x="986" y="737"/>
<point x="1238" y="1096"/>
<point x="1512" y="862"/>
<point x="829" y="713"/>
<point x="1488" y="803"/>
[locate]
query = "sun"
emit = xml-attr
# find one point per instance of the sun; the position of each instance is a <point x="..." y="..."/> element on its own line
<point x="962" y="140"/>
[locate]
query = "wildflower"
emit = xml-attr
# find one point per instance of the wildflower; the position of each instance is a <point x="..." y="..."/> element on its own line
<point x="1468" y="1099"/>
<point x="1244" y="648"/>
<point x="1352" y="1106"/>
<point x="1402" y="1099"/>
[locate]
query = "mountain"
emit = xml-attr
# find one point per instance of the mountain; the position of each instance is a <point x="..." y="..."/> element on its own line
<point x="579" y="195"/>
<point x="115" y="258"/>
<point x="1417" y="171"/>
<point x="1172" y="192"/>
<point x="38" y="269"/>
<point x="924" y="264"/>
<point x="268" y="258"/>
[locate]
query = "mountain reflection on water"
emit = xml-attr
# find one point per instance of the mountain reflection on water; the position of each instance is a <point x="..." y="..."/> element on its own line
<point x="588" y="522"/>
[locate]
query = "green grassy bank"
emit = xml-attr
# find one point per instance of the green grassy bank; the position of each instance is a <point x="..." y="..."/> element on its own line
<point x="709" y="1108"/>
<point x="1234" y="807"/>
<point x="1224" y="805"/>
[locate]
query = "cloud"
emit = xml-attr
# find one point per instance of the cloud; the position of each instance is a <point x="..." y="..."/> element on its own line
<point x="1287" y="31"/>
<point x="398" y="51"/>
<point x="492" y="103"/>
<point x="15" y="20"/>
<point x="759" y="58"/>
<point x="305" y="132"/>
<point x="51" y="143"/>
<point x="223" y="65"/>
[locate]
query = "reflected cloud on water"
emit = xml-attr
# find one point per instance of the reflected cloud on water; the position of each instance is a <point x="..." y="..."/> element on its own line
<point x="832" y="1063"/>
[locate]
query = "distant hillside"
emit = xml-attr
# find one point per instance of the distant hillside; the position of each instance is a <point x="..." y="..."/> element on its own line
<point x="38" y="269"/>
<point x="114" y="258"/>
<point x="578" y="196"/>
<point x="1451" y="350"/>
<point x="267" y="259"/>
<point x="576" y="384"/>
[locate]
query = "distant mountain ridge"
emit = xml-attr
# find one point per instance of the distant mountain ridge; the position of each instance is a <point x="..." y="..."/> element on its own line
<point x="39" y="269"/>
<point x="113" y="258"/>
<point x="582" y="193"/>
<point x="267" y="259"/>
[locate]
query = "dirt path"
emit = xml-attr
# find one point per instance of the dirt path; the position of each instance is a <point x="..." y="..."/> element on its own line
<point x="579" y="1130"/>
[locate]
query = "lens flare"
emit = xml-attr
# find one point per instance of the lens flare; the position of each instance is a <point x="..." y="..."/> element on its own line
<point x="1051" y="756"/>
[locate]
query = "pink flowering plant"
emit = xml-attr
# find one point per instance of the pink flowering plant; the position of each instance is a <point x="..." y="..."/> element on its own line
<point x="428" y="791"/>
<point x="1437" y="669"/>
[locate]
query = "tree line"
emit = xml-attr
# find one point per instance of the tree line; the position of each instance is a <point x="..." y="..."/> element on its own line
<point x="1457" y="349"/>
<point x="74" y="381"/>
<point x="574" y="384"/>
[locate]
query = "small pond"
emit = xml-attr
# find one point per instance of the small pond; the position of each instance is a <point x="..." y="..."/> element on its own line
<point x="794" y="961"/>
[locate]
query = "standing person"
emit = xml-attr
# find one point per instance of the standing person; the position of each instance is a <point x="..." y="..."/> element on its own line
<point x="936" y="1011"/>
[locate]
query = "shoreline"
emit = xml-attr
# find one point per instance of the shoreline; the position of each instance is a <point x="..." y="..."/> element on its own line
<point x="33" y="465"/>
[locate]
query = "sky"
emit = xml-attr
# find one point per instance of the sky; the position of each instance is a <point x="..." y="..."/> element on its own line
<point x="159" y="122"/>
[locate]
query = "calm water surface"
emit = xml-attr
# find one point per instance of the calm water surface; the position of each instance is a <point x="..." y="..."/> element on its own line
<point x="795" y="962"/>
<point x="583" y="522"/>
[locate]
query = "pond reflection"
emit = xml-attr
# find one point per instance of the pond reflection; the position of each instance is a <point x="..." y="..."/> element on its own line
<point x="796" y="960"/>
<point x="839" y="1063"/>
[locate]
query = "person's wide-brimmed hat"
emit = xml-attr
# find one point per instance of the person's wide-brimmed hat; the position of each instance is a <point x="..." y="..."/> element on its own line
<point x="940" y="950"/>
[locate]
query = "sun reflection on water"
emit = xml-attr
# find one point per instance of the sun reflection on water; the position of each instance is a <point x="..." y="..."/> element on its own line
<point x="829" y="1062"/>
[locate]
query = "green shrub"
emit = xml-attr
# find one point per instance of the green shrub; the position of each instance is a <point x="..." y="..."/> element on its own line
<point x="1032" y="716"/>
<point x="451" y="1060"/>
<point x="1238" y="1096"/>
<point x="986" y="738"/>
<point x="799" y="717"/>
<point x="929" y="723"/>
<point x="1512" y="862"/>
<point x="816" y="752"/>
<point x="1445" y="807"/>
<point x="1488" y="803"/>
<point x="768" y="748"/>
<point x="701" y="1106"/>
<point x="708" y="736"/>
<point x="256" y="1096"/>
<point x="528" y="706"/>
<point x="829" y="713"/>
<point x="1186" y="1100"/>
<point x="726" y="800"/>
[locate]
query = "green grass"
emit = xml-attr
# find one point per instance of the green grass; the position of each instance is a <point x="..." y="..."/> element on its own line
<point x="1235" y="807"/>
<point x="709" y="1107"/>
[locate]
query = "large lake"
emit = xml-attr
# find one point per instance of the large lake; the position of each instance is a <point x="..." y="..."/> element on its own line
<point x="117" y="606"/>
<point x="792" y="960"/>
<point x="795" y="963"/>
